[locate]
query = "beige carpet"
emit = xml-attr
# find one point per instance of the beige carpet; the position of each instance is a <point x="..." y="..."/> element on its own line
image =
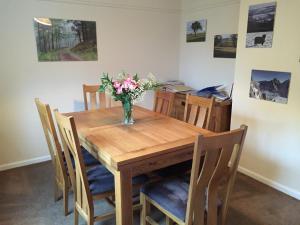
<point x="26" y="198"/>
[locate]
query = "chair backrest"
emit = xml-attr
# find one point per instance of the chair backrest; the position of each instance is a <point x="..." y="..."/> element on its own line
<point x="96" y="99"/>
<point x="71" y="146"/>
<point x="52" y="140"/>
<point x="163" y="102"/>
<point x="198" y="111"/>
<point x="215" y="163"/>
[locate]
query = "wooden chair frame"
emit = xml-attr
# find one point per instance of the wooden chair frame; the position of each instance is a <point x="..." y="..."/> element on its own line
<point x="198" y="111"/>
<point x="163" y="102"/>
<point x="92" y="90"/>
<point x="215" y="163"/>
<point x="62" y="181"/>
<point x="83" y="198"/>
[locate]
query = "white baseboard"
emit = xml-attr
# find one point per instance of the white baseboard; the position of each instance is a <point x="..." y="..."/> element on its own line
<point x="24" y="162"/>
<point x="289" y="191"/>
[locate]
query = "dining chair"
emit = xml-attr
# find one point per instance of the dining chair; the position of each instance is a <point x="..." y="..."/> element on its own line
<point x="96" y="99"/>
<point x="163" y="102"/>
<point x="198" y="201"/>
<point x="198" y="111"/>
<point x="94" y="184"/>
<point x="62" y="181"/>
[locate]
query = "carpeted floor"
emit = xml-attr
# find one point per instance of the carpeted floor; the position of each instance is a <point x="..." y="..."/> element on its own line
<point x="26" y="198"/>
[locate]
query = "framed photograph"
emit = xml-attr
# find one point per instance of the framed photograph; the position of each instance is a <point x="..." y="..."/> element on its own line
<point x="261" y="20"/>
<point x="65" y="40"/>
<point x="196" y="31"/>
<point x="225" y="46"/>
<point x="270" y="85"/>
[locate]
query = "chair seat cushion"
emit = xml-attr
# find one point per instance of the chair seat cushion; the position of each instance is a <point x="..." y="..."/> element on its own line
<point x="89" y="159"/>
<point x="101" y="180"/>
<point x="171" y="194"/>
<point x="174" y="170"/>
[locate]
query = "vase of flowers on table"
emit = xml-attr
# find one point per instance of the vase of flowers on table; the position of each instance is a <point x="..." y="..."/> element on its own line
<point x="127" y="89"/>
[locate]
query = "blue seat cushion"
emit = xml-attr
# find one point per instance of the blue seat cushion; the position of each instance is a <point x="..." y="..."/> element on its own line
<point x="101" y="180"/>
<point x="175" y="170"/>
<point x="170" y="194"/>
<point x="89" y="159"/>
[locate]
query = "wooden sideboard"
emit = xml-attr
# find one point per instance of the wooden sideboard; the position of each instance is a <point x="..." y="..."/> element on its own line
<point x="221" y="112"/>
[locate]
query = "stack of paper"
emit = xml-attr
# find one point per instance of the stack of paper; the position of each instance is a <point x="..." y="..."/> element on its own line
<point x="176" y="86"/>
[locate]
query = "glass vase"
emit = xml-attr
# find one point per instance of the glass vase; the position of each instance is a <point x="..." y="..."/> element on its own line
<point x="127" y="109"/>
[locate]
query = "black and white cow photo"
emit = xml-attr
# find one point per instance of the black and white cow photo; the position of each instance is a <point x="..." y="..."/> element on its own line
<point x="261" y="19"/>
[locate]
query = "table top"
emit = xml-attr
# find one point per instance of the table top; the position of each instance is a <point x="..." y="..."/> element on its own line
<point x="117" y="144"/>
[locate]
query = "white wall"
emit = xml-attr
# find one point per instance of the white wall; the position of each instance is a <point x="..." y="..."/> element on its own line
<point x="136" y="36"/>
<point x="142" y="36"/>
<point x="271" y="152"/>
<point x="198" y="67"/>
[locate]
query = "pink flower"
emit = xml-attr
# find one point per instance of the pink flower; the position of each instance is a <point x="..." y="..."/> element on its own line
<point x="127" y="83"/>
<point x="120" y="90"/>
<point x="116" y="84"/>
<point x="133" y="85"/>
<point x="130" y="84"/>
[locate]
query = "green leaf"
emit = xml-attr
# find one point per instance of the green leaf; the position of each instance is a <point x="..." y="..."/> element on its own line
<point x="136" y="77"/>
<point x="101" y="88"/>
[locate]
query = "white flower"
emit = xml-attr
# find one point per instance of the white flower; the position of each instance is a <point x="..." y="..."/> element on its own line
<point x="151" y="77"/>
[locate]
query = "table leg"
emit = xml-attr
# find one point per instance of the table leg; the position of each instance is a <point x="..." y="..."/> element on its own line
<point x="123" y="193"/>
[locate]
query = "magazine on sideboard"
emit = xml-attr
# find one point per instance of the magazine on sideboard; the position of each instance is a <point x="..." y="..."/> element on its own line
<point x="220" y="92"/>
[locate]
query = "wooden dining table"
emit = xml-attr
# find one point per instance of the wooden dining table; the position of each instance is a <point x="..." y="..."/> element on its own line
<point x="154" y="141"/>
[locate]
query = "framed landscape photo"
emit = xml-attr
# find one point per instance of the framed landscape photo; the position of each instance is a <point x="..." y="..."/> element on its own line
<point x="225" y="46"/>
<point x="196" y="31"/>
<point x="260" y="29"/>
<point x="65" y="40"/>
<point x="270" y="85"/>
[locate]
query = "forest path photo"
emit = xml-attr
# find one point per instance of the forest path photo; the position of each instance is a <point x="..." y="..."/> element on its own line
<point x="65" y="40"/>
<point x="67" y="55"/>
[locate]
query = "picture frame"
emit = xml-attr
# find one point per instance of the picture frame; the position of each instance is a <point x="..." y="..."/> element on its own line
<point x="65" y="40"/>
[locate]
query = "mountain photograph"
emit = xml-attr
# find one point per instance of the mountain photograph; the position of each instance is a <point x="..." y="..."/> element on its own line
<point x="270" y="86"/>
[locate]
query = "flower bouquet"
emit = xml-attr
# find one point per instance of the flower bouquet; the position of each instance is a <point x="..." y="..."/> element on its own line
<point x="127" y="89"/>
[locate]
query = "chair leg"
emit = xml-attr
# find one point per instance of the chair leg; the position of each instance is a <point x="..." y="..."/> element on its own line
<point x="90" y="221"/>
<point x="145" y="209"/>
<point x="76" y="216"/>
<point x="66" y="199"/>
<point x="56" y="191"/>
<point x="169" y="221"/>
<point x="221" y="217"/>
